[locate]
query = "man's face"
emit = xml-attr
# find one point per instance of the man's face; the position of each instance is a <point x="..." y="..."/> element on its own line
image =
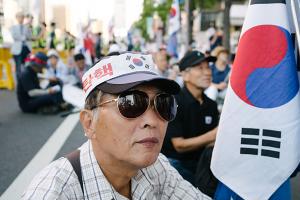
<point x="223" y="57"/>
<point x="161" y="62"/>
<point x="136" y="142"/>
<point x="199" y="76"/>
<point x="80" y="64"/>
<point x="53" y="61"/>
<point x="20" y="18"/>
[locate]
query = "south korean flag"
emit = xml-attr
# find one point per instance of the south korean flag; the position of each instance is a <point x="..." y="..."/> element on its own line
<point x="258" y="140"/>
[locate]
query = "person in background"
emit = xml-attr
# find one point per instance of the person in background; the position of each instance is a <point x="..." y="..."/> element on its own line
<point x="162" y="65"/>
<point x="39" y="33"/>
<point x="57" y="71"/>
<point x="80" y="68"/>
<point x="195" y="125"/>
<point x="89" y="46"/>
<point x="69" y="41"/>
<point x="125" y="117"/>
<point x="21" y="46"/>
<point x="98" y="46"/>
<point x="51" y="41"/>
<point x="163" y="68"/>
<point x="70" y="59"/>
<point x="220" y="74"/>
<point x="31" y="97"/>
<point x="113" y="47"/>
<point x="216" y="39"/>
<point x="28" y="20"/>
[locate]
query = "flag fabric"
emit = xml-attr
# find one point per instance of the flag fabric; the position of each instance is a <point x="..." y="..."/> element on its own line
<point x="174" y="18"/>
<point x="258" y="139"/>
<point x="172" y="45"/>
<point x="224" y="193"/>
<point x="174" y="26"/>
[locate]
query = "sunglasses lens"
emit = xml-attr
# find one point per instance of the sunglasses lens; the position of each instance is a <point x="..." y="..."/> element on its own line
<point x="133" y="104"/>
<point x="166" y="106"/>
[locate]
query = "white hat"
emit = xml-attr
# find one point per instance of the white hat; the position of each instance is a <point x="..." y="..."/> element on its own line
<point x="114" y="48"/>
<point x="52" y="52"/>
<point x="115" y="74"/>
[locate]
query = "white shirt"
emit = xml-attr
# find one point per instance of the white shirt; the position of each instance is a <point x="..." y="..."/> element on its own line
<point x="61" y="72"/>
<point x="158" y="181"/>
<point x="21" y="35"/>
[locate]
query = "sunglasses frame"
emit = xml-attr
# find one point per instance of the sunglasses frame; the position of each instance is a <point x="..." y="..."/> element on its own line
<point x="149" y="104"/>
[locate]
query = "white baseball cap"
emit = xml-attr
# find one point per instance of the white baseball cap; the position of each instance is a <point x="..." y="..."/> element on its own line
<point x="114" y="48"/>
<point x="118" y="73"/>
<point x="51" y="53"/>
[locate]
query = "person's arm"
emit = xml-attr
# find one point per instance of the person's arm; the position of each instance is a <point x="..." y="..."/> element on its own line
<point x="182" y="145"/>
<point x="39" y="92"/>
<point x="174" y="186"/>
<point x="220" y="86"/>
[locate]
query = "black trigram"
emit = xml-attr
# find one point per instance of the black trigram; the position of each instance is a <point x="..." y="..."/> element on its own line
<point x="251" y="138"/>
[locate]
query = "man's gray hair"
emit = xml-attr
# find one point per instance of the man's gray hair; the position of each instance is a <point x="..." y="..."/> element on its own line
<point x="93" y="100"/>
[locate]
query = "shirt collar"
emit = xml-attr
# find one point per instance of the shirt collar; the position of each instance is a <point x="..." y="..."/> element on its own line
<point x="100" y="188"/>
<point x="189" y="98"/>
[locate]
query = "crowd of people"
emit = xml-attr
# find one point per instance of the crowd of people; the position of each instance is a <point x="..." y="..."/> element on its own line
<point x="184" y="135"/>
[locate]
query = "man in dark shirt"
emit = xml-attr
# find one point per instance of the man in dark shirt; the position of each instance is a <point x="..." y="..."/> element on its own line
<point x="31" y="96"/>
<point x="194" y="127"/>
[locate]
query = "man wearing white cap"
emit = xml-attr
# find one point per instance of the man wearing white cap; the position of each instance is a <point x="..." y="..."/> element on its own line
<point x="57" y="71"/>
<point x="127" y="109"/>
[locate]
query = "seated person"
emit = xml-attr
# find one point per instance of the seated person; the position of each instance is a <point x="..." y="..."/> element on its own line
<point x="57" y="71"/>
<point x="80" y="68"/>
<point x="220" y="74"/>
<point x="195" y="125"/>
<point x="31" y="96"/>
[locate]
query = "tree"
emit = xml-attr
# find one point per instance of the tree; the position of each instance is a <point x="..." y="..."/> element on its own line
<point x="226" y="21"/>
<point x="148" y="11"/>
<point x="163" y="11"/>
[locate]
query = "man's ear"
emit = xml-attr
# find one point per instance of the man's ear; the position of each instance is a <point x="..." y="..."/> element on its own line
<point x="86" y="120"/>
<point x="185" y="76"/>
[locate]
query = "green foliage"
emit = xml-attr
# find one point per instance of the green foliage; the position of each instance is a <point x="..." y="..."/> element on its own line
<point x="204" y="4"/>
<point x="163" y="11"/>
<point x="148" y="11"/>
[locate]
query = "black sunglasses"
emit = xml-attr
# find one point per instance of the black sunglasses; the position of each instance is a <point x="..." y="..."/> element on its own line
<point x="133" y="104"/>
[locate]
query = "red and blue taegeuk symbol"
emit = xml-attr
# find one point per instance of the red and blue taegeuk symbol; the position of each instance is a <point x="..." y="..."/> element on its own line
<point x="137" y="62"/>
<point x="264" y="72"/>
<point x="172" y="12"/>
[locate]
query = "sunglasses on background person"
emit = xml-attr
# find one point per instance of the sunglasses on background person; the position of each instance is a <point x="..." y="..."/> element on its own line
<point x="132" y="104"/>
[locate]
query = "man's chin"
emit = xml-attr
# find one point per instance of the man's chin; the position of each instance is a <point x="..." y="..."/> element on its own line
<point x="148" y="160"/>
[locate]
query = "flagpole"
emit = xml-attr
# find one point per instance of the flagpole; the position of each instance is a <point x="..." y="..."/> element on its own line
<point x="295" y="20"/>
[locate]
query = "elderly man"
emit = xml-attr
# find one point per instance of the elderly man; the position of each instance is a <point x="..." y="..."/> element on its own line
<point x="127" y="109"/>
<point x="194" y="127"/>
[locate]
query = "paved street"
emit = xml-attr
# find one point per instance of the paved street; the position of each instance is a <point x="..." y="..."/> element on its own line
<point x="23" y="136"/>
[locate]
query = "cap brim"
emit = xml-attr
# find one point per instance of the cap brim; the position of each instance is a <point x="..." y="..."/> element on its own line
<point x="208" y="59"/>
<point x="123" y="83"/>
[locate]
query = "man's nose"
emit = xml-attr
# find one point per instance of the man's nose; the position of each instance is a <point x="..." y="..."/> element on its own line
<point x="150" y="117"/>
<point x="207" y="71"/>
